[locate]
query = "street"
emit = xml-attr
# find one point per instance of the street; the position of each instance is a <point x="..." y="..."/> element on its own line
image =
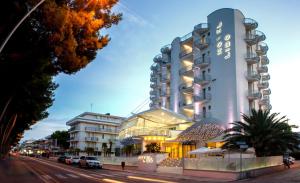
<point x="37" y="170"/>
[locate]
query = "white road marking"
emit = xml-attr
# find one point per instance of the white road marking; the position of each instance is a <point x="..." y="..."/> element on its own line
<point x="108" y="175"/>
<point x="47" y="177"/>
<point x="96" y="175"/>
<point x="60" y="176"/>
<point x="72" y="175"/>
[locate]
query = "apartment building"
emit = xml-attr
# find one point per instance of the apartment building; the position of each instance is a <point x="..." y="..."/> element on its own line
<point x="219" y="70"/>
<point x="93" y="130"/>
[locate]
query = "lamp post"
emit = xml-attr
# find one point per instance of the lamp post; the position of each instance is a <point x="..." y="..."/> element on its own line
<point x="19" y="23"/>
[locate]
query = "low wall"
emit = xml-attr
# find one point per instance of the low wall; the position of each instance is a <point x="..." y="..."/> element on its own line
<point x="130" y="161"/>
<point x="174" y="170"/>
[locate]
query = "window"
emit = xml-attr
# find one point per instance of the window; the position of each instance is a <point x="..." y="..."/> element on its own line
<point x="102" y="126"/>
<point x="102" y="136"/>
<point x="208" y="70"/>
<point x="208" y="34"/>
<point x="209" y="88"/>
<point x="209" y="107"/>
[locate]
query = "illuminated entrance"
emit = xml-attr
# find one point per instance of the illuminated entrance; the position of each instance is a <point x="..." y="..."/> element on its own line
<point x="160" y="126"/>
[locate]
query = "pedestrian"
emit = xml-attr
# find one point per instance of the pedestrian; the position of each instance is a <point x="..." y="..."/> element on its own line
<point x="286" y="162"/>
<point x="123" y="165"/>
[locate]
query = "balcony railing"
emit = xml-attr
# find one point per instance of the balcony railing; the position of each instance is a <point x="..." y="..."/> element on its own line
<point x="264" y="101"/>
<point x="263" y="85"/>
<point x="266" y="92"/>
<point x="185" y="52"/>
<point x="93" y="139"/>
<point x="157" y="58"/>
<point x="252" y="58"/>
<point x="186" y="37"/>
<point x="202" y="79"/>
<point x="262" y="69"/>
<point x="100" y="130"/>
<point x="74" y="128"/>
<point x="202" y="97"/>
<point x="202" y="62"/>
<point x="186" y="70"/>
<point x="264" y="60"/>
<point x="262" y="48"/>
<point x="202" y="43"/>
<point x="186" y="104"/>
<point x="166" y="49"/>
<point x="254" y="95"/>
<point x="250" y="24"/>
<point x="187" y="87"/>
<point x="201" y="28"/>
<point x="253" y="76"/>
<point x="255" y="37"/>
<point x="74" y="139"/>
<point x="265" y="77"/>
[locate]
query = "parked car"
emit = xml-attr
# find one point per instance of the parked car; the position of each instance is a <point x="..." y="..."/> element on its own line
<point x="72" y="160"/>
<point x="61" y="159"/>
<point x="89" y="162"/>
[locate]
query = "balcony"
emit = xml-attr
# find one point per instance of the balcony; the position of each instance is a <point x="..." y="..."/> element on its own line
<point x="154" y="85"/>
<point x="91" y="139"/>
<point x="202" y="98"/>
<point x="201" y="28"/>
<point x="266" y="92"/>
<point x="158" y="58"/>
<point x="254" y="95"/>
<point x="152" y="79"/>
<point x="250" y="24"/>
<point x="253" y="76"/>
<point x="253" y="38"/>
<point x="262" y="48"/>
<point x="186" y="37"/>
<point x="264" y="101"/>
<point x="187" y="71"/>
<point x="202" y="79"/>
<point x="264" y="60"/>
<point x="74" y="128"/>
<point x="165" y="79"/>
<point x="153" y="67"/>
<point x="74" y="139"/>
<point x="153" y="92"/>
<point x="263" y="85"/>
<point x="166" y="49"/>
<point x="186" y="87"/>
<point x="100" y="130"/>
<point x="202" y="43"/>
<point x="252" y="58"/>
<point x="202" y="62"/>
<point x="186" y="105"/>
<point x="185" y="53"/>
<point x="262" y="69"/>
<point x="265" y="77"/>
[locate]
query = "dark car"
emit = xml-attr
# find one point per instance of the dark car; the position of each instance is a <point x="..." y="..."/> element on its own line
<point x="62" y="159"/>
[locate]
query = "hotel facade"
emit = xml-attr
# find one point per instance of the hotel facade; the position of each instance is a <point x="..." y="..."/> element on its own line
<point x="93" y="130"/>
<point x="219" y="70"/>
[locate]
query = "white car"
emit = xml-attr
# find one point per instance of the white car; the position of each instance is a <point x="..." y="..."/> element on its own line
<point x="72" y="160"/>
<point x="89" y="162"/>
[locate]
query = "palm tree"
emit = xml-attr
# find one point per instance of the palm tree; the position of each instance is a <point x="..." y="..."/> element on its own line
<point x="266" y="132"/>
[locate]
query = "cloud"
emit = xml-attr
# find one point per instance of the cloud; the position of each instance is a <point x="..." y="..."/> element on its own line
<point x="131" y="16"/>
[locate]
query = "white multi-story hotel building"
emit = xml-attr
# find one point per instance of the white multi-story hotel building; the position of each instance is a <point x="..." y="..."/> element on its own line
<point x="218" y="70"/>
<point x="93" y="130"/>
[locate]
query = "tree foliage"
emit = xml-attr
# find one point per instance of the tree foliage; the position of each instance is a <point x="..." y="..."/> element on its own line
<point x="62" y="138"/>
<point x="60" y="36"/>
<point x="153" y="148"/>
<point x="266" y="132"/>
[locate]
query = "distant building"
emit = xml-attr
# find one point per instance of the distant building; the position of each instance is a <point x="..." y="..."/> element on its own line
<point x="218" y="70"/>
<point x="96" y="131"/>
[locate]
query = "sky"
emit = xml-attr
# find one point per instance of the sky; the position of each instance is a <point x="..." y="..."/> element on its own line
<point x="118" y="80"/>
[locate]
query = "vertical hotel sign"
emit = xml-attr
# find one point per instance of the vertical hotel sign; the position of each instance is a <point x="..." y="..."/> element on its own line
<point x="223" y="44"/>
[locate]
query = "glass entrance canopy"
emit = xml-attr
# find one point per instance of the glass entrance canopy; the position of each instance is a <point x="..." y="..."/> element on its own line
<point x="154" y="122"/>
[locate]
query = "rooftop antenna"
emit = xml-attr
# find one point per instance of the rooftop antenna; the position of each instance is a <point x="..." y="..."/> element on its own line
<point x="91" y="107"/>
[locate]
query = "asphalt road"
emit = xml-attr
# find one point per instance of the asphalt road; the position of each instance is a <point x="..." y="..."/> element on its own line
<point x="36" y="170"/>
<point x="28" y="170"/>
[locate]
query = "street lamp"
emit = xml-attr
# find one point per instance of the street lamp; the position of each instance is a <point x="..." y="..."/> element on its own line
<point x="19" y="23"/>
